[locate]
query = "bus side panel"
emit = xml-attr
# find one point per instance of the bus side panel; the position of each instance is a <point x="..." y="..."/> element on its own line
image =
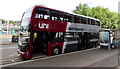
<point x="40" y="25"/>
<point x="71" y="48"/>
<point x="51" y="46"/>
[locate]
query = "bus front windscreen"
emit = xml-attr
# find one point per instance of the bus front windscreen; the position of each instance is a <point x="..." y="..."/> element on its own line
<point x="26" y="20"/>
<point x="24" y="33"/>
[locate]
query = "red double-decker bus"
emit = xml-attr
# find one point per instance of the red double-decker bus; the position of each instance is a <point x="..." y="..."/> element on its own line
<point x="47" y="31"/>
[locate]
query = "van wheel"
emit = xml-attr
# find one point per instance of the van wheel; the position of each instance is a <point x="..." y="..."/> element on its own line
<point x="112" y="46"/>
<point x="56" y="51"/>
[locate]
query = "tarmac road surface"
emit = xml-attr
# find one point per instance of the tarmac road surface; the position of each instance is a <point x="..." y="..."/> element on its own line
<point x="89" y="58"/>
<point x="8" y="53"/>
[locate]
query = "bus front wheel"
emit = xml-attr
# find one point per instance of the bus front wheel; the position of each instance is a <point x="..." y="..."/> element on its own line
<point x="56" y="51"/>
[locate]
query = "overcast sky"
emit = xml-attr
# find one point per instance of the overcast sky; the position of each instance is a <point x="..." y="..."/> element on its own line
<point x="13" y="9"/>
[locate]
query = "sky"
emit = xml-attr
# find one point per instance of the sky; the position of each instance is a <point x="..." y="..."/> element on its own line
<point x="13" y="9"/>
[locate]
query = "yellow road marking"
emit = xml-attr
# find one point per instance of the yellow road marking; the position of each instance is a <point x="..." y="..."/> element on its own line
<point x="7" y="57"/>
<point x="4" y="63"/>
<point x="8" y="61"/>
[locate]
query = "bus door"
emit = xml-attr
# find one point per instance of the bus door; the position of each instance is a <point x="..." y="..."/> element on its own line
<point x="83" y="44"/>
<point x="40" y="43"/>
<point x="85" y="41"/>
<point x="79" y="41"/>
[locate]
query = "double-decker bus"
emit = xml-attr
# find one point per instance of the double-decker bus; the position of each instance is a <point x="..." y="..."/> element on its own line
<point x="49" y="32"/>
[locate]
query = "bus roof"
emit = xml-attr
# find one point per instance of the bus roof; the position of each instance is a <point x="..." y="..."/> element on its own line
<point x="85" y="16"/>
<point x="67" y="12"/>
<point x="48" y="8"/>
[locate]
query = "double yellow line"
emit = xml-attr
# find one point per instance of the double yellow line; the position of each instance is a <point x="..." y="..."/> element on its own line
<point x="7" y="60"/>
<point x="7" y="56"/>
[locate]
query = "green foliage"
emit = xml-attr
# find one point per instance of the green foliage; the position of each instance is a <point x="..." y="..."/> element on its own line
<point x="108" y="19"/>
<point x="12" y="22"/>
<point x="119" y="21"/>
<point x="3" y="21"/>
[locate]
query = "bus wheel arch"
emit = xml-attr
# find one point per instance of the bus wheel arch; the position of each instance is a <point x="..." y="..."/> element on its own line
<point x="95" y="45"/>
<point x="56" y="50"/>
<point x="21" y="58"/>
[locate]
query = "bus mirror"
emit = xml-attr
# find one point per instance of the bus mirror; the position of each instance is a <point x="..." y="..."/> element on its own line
<point x="29" y="27"/>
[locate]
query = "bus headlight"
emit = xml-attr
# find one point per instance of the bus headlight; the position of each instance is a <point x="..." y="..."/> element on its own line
<point x="23" y="44"/>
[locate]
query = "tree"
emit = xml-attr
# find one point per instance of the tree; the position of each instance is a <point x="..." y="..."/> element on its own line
<point x="3" y="21"/>
<point x="12" y="22"/>
<point x="119" y="21"/>
<point x="108" y="19"/>
<point x="82" y="9"/>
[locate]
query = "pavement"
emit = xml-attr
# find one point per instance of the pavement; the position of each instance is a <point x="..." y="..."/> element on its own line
<point x="90" y="58"/>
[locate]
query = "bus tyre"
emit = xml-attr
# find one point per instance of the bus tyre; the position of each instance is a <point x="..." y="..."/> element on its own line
<point x="94" y="45"/>
<point x="56" y="51"/>
<point x="112" y="46"/>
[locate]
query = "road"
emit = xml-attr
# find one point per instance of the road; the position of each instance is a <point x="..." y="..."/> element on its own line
<point x="9" y="53"/>
<point x="8" y="50"/>
<point x="89" y="58"/>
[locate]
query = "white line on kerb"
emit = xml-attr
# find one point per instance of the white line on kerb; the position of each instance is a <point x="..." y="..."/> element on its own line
<point x="45" y="58"/>
<point x="8" y="48"/>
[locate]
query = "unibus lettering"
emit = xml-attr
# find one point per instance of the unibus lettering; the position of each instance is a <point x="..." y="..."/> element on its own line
<point x="43" y="26"/>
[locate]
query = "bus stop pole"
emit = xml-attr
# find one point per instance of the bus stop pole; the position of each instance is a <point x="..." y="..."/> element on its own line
<point x="109" y="47"/>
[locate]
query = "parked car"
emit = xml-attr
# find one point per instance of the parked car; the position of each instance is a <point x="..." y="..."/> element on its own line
<point x="15" y="38"/>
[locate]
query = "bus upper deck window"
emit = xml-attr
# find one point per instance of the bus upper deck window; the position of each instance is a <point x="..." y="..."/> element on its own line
<point x="41" y="16"/>
<point x="76" y="19"/>
<point x="89" y="21"/>
<point x="46" y="17"/>
<point x="92" y="22"/>
<point x="66" y="20"/>
<point x="54" y="18"/>
<point x="83" y="20"/>
<point x="36" y="15"/>
<point x="98" y="23"/>
<point x="61" y="19"/>
<point x="68" y="17"/>
<point x="42" y="13"/>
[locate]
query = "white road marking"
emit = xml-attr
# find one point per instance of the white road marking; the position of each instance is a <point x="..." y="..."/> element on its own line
<point x="3" y="58"/>
<point x="9" y="48"/>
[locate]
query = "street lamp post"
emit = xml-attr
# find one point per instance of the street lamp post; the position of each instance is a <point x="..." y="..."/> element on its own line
<point x="8" y="27"/>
